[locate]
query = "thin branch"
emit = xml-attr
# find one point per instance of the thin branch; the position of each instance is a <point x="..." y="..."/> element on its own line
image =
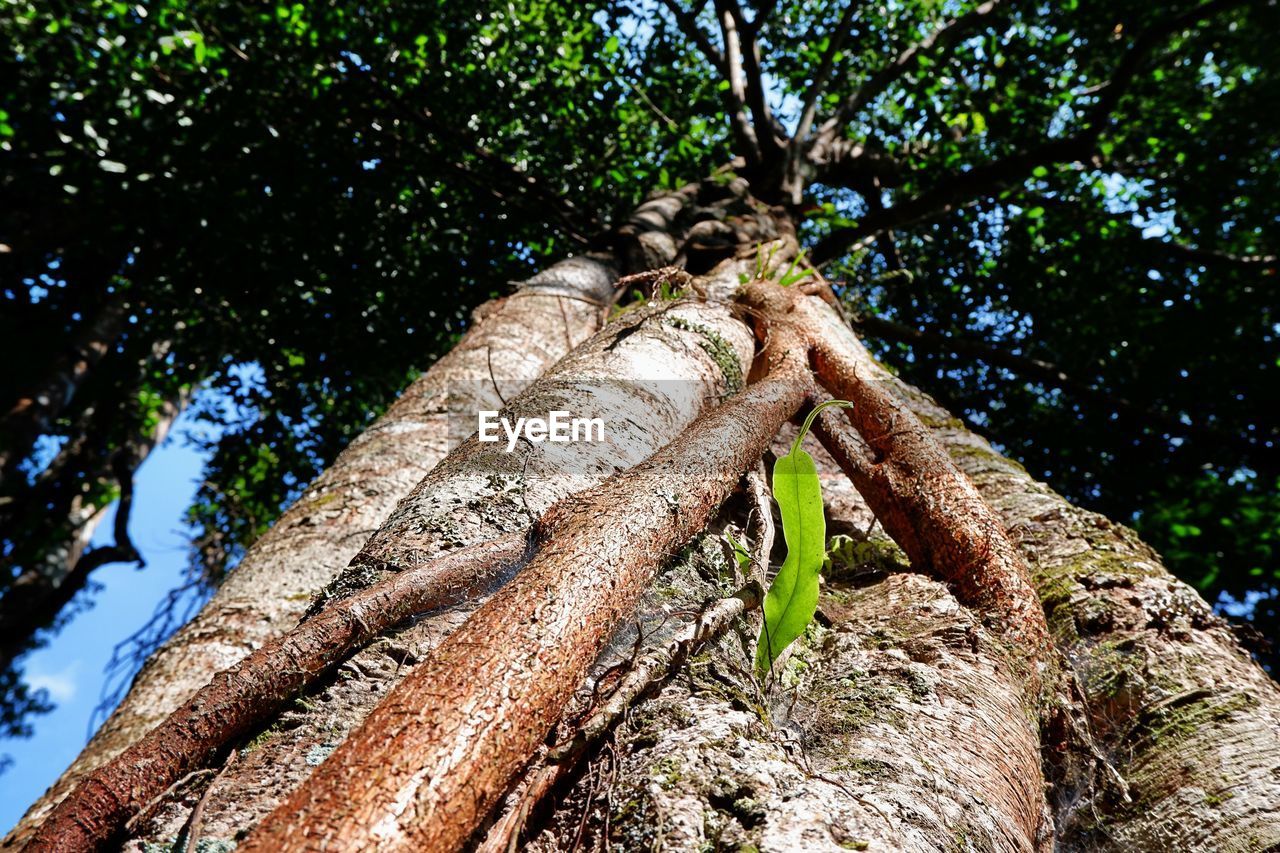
<point x="825" y="69"/>
<point x="1210" y="257"/>
<point x="991" y="178"/>
<point x="943" y="37"/>
<point x="734" y="100"/>
<point x="796" y="146"/>
<point x="688" y="23"/>
<point x="743" y="40"/>
<point x="761" y="17"/>
<point x="960" y="190"/>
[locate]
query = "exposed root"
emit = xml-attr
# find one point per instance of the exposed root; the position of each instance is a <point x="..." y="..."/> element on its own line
<point x="251" y="693"/>
<point x="647" y="673"/>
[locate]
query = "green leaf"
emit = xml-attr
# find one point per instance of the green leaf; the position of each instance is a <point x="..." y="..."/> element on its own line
<point x="793" y="595"/>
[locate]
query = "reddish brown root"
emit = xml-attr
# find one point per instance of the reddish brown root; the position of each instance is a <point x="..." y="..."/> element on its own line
<point x="433" y="759"/>
<point x="927" y="506"/>
<point x="240" y="699"/>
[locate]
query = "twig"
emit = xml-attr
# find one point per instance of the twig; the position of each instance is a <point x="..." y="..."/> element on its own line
<point x="194" y="826"/>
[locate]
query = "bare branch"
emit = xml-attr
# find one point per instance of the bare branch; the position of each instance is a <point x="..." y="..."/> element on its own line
<point x="794" y="184"/>
<point x="825" y="68"/>
<point x="739" y="39"/>
<point x="1214" y="257"/>
<point x="756" y="24"/>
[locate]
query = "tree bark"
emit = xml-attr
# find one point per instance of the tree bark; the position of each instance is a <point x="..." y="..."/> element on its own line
<point x="901" y="723"/>
<point x="512" y="340"/>
<point x="902" y="720"/>
<point x="1182" y="711"/>
<point x="475" y="495"/>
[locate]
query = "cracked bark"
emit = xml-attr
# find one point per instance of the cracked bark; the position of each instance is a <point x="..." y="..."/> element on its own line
<point x="513" y="338"/>
<point x="479" y="493"/>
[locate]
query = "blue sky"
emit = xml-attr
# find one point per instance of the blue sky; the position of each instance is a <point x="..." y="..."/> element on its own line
<point x="72" y="666"/>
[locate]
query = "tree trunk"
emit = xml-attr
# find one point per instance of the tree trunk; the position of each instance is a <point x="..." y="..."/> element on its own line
<point x="903" y="719"/>
<point x="512" y="340"/>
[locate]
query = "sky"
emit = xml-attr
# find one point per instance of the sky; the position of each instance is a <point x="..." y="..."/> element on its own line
<point x="72" y="667"/>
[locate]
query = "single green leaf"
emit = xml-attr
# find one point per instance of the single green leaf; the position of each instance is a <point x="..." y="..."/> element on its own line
<point x="793" y="595"/>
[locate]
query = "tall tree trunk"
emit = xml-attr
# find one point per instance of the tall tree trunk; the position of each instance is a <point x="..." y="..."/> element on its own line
<point x="902" y="719"/>
<point x="511" y="341"/>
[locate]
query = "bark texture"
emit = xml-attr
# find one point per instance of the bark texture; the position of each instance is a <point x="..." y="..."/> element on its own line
<point x="899" y="724"/>
<point x="431" y="761"/>
<point x="479" y="493"/>
<point x="520" y="336"/>
<point x="253" y="691"/>
<point x="1179" y="708"/>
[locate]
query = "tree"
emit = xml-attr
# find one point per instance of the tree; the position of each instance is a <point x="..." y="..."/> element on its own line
<point x="953" y="168"/>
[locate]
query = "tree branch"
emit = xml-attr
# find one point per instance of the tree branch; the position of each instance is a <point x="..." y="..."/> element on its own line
<point x="740" y="38"/>
<point x="734" y="100"/>
<point x="990" y="178"/>
<point x="1049" y="374"/>
<point x="943" y="37"/>
<point x="796" y="146"/>
<point x="960" y="190"/>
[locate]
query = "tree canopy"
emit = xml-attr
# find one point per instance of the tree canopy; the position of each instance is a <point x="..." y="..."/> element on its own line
<point x="1058" y="218"/>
